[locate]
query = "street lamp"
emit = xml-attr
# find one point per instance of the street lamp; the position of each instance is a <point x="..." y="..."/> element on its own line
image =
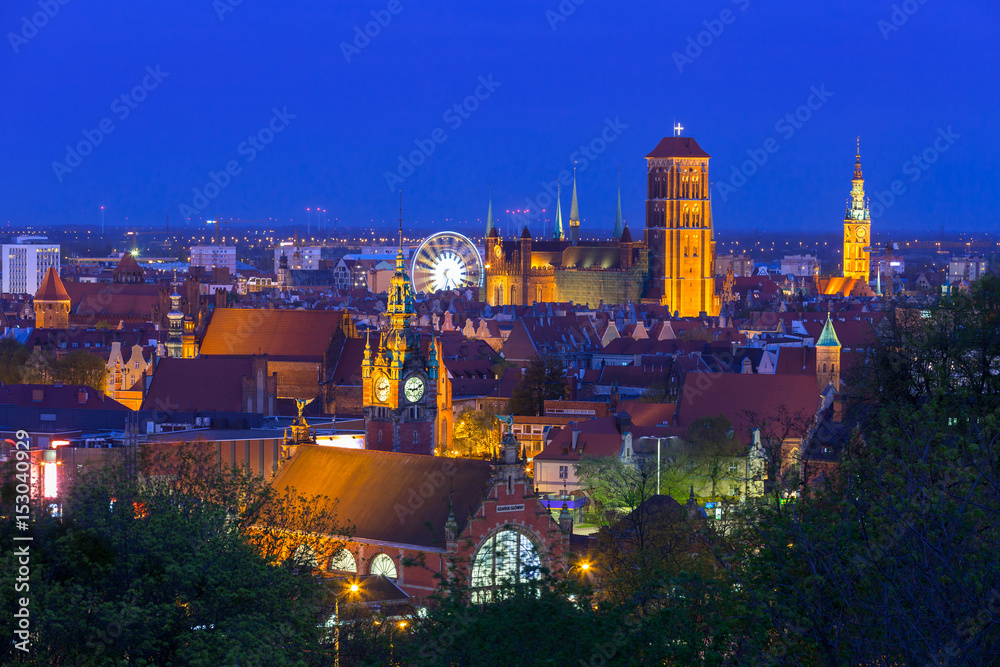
<point x="352" y="589"/>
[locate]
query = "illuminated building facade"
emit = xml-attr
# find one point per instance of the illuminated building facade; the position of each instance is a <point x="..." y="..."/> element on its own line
<point x="679" y="232"/>
<point x="526" y="270"/>
<point x="399" y="385"/>
<point x="52" y="303"/>
<point x="857" y="228"/>
<point x="414" y="517"/>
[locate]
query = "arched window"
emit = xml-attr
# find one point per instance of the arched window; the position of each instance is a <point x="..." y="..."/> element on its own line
<point x="305" y="556"/>
<point x="343" y="561"/>
<point x="508" y="557"/>
<point x="383" y="566"/>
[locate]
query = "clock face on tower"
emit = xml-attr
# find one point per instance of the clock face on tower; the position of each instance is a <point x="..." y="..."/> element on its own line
<point x="414" y="388"/>
<point x="382" y="389"/>
<point x="498" y="251"/>
<point x="861" y="233"/>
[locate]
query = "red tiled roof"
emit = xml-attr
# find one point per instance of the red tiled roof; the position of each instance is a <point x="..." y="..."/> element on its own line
<point x="633" y="376"/>
<point x="375" y="490"/>
<point x="280" y="334"/>
<point x="598" y="437"/>
<point x="648" y="414"/>
<point x="348" y="369"/>
<point x="747" y="398"/>
<point x="57" y="396"/>
<point x="678" y="147"/>
<point x="192" y="385"/>
<point x="52" y="288"/>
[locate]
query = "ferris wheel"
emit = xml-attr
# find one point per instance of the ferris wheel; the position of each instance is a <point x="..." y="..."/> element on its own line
<point x="446" y="261"/>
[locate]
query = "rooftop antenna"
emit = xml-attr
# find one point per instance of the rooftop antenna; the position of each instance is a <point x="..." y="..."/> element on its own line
<point x="400" y="220"/>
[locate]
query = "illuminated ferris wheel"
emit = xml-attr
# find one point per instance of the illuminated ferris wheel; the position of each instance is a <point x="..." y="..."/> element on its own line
<point x="446" y="261"/>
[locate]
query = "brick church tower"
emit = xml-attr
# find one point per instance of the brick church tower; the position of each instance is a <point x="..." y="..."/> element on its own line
<point x="857" y="228"/>
<point x="52" y="303"/>
<point x="399" y="385"/>
<point x="828" y="357"/>
<point x="679" y="231"/>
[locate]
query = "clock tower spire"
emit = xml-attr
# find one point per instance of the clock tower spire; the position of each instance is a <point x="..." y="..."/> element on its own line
<point x="857" y="227"/>
<point x="399" y="392"/>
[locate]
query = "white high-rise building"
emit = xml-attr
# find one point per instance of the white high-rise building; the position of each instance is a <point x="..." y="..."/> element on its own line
<point x="211" y="256"/>
<point x="25" y="263"/>
<point x="299" y="256"/>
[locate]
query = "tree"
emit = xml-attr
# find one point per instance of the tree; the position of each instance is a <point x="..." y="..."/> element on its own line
<point x="82" y="368"/>
<point x="476" y="434"/>
<point x="180" y="564"/>
<point x="714" y="447"/>
<point x="13" y="357"/>
<point x="894" y="560"/>
<point x="543" y="380"/>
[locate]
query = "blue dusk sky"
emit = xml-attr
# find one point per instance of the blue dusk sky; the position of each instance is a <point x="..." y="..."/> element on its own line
<point x="257" y="109"/>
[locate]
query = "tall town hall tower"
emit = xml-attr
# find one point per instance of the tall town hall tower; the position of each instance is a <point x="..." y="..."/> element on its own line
<point x="679" y="231"/>
<point x="857" y="228"/>
<point x="399" y="385"/>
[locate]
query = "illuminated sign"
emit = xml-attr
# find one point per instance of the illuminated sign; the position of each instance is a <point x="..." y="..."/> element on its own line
<point x="510" y="508"/>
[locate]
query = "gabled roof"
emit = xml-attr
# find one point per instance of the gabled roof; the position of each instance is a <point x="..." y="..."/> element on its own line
<point x="193" y="385"/>
<point x="52" y="288"/>
<point x="375" y="490"/>
<point x="678" y="147"/>
<point x="280" y="334"/>
<point x="649" y="414"/>
<point x="745" y="399"/>
<point x="597" y="437"/>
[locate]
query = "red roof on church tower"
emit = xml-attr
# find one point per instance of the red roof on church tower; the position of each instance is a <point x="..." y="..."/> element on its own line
<point x="127" y="264"/>
<point x="52" y="288"/>
<point x="678" y="147"/>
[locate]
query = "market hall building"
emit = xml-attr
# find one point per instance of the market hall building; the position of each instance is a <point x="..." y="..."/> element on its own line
<point x="433" y="511"/>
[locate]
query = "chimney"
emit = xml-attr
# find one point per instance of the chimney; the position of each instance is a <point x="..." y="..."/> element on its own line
<point x="81" y="396"/>
<point x="838" y="409"/>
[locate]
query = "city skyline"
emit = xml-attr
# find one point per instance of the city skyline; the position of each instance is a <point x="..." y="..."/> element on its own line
<point x="272" y="125"/>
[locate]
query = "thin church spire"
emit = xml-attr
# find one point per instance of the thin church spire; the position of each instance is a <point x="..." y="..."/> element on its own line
<point x="557" y="232"/>
<point x="618" y="213"/>
<point x="489" y="212"/>
<point x="574" y="215"/>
